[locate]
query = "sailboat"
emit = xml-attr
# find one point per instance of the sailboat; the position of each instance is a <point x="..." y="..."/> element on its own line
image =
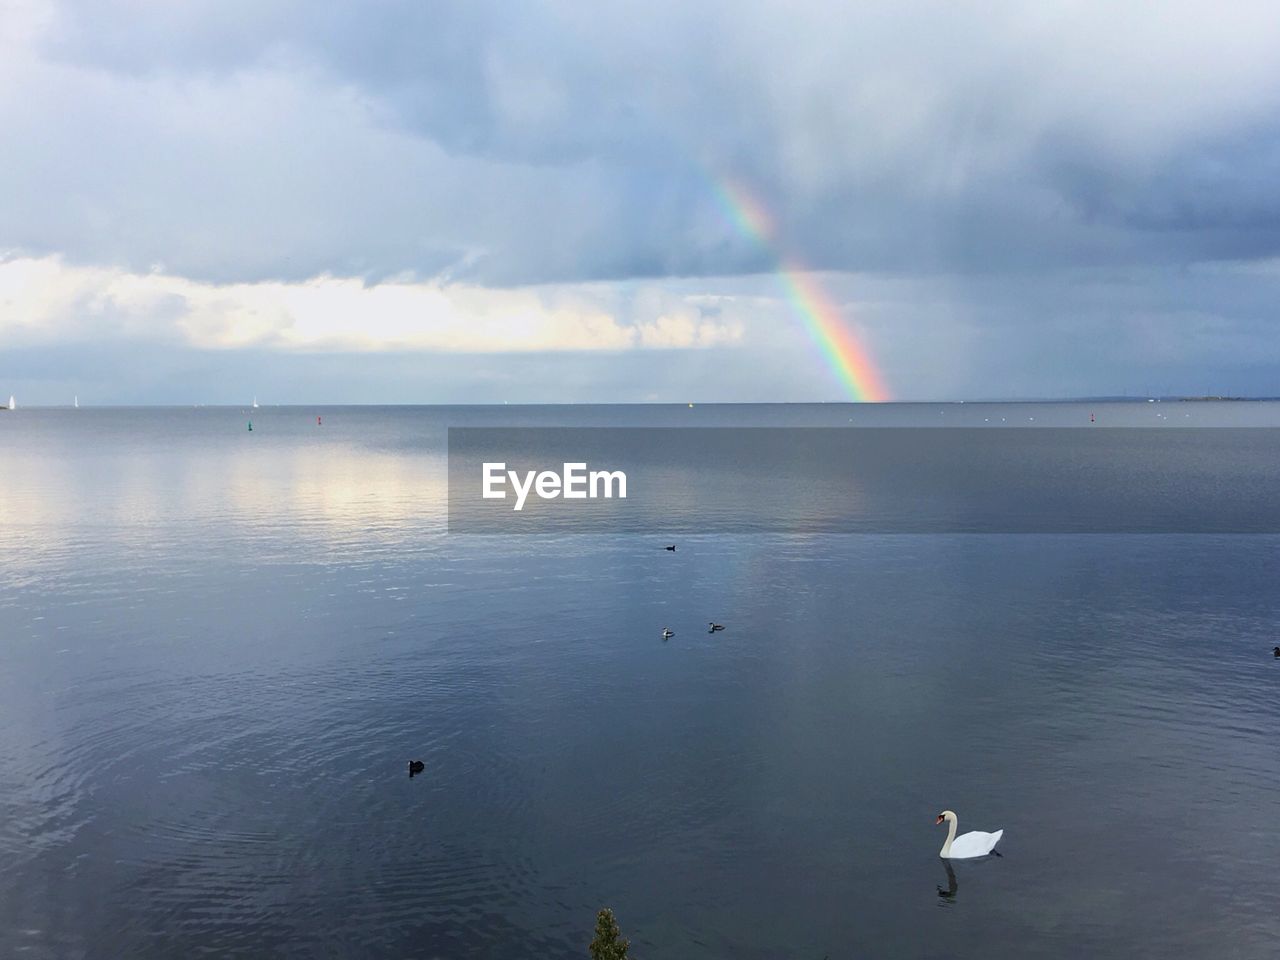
<point x="255" y="403"/>
<point x="75" y="402"/>
<point x="12" y="403"/>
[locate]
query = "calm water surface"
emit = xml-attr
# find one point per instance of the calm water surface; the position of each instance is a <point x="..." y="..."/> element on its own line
<point x="218" y="649"/>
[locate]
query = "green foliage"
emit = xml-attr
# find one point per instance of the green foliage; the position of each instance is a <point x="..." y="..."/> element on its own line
<point x="608" y="944"/>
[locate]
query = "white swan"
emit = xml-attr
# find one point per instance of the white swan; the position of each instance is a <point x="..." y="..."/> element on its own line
<point x="970" y="845"/>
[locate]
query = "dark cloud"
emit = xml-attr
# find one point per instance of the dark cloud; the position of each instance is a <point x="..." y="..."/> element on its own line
<point x="991" y="151"/>
<point x="526" y="142"/>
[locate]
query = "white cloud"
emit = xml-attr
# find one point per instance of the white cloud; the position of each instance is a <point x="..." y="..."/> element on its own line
<point x="45" y="299"/>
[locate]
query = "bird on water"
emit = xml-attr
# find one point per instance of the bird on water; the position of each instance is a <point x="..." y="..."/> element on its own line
<point x="967" y="846"/>
<point x="714" y="626"/>
<point x="667" y="633"/>
<point x="415" y="767"/>
<point x="672" y="548"/>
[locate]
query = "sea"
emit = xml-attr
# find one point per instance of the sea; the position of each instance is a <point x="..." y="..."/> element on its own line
<point x="221" y="647"/>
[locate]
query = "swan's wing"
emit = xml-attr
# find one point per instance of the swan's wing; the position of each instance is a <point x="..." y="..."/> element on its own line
<point x="974" y="844"/>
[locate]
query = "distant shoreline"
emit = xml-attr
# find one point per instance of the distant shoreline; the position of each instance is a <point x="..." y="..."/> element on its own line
<point x="652" y="403"/>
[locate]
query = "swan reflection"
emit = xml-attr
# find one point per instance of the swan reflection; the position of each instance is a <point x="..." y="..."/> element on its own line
<point x="949" y="893"/>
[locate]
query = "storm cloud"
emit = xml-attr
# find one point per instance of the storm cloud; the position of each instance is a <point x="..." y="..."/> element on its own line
<point x="1006" y="199"/>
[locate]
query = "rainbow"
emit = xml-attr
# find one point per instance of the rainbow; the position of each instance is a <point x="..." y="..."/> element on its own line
<point x="821" y="316"/>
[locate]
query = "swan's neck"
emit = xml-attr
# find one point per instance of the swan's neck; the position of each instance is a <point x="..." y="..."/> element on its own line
<point x="951" y="835"/>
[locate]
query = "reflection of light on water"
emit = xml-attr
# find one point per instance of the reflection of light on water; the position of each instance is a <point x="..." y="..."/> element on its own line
<point x="30" y="497"/>
<point x="337" y="492"/>
<point x="337" y="498"/>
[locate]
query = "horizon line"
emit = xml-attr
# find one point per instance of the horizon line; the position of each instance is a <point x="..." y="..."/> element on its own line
<point x="1109" y="398"/>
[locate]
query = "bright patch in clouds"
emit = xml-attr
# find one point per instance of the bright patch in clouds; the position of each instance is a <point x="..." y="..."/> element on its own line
<point x="46" y="299"/>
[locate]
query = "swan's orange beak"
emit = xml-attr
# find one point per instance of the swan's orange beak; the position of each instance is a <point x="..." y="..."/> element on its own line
<point x="938" y="821"/>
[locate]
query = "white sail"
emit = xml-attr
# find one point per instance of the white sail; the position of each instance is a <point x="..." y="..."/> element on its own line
<point x="76" y="402"/>
<point x="12" y="403"/>
<point x="255" y="403"/>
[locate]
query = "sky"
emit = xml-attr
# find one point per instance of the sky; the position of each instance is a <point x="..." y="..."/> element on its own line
<point x="471" y="202"/>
